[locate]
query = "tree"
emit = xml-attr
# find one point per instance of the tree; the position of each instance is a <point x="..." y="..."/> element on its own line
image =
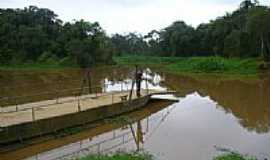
<point x="176" y="40"/>
<point x="35" y="34"/>
<point x="258" y="25"/>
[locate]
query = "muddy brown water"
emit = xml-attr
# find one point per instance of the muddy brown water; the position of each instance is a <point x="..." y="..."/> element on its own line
<point x="212" y="113"/>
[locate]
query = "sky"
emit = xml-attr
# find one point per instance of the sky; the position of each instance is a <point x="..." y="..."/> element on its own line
<point x="142" y="16"/>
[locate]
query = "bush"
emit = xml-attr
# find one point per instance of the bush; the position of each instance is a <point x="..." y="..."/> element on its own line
<point x="44" y="56"/>
<point x="213" y="64"/>
<point x="5" y="56"/>
<point x="67" y="61"/>
<point x="48" y="58"/>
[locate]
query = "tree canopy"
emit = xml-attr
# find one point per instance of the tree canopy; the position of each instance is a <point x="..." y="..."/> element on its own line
<point x="242" y="33"/>
<point x="36" y="34"/>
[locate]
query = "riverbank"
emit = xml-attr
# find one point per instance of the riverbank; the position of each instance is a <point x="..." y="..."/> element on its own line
<point x="192" y="66"/>
<point x="197" y="65"/>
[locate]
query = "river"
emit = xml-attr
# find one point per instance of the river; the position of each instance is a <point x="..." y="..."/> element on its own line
<point x="212" y="114"/>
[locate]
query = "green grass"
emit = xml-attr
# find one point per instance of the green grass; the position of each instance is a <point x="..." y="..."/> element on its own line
<point x="145" y="156"/>
<point x="215" y="65"/>
<point x="234" y="156"/>
<point x="192" y="65"/>
<point x="119" y="156"/>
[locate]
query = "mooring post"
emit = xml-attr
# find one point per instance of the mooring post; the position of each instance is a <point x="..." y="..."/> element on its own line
<point x="33" y="114"/>
<point x="16" y="104"/>
<point x="133" y="83"/>
<point x="57" y="91"/>
<point x="79" y="105"/>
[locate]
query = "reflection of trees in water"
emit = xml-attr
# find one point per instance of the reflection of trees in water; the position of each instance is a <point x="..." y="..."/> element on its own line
<point x="248" y="100"/>
<point x="50" y="81"/>
<point x="101" y="137"/>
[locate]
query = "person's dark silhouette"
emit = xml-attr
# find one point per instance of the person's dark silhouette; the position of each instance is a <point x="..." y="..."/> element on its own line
<point x="139" y="75"/>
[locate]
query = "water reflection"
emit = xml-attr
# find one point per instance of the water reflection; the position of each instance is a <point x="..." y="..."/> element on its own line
<point x="248" y="101"/>
<point x="32" y="86"/>
<point x="188" y="130"/>
<point x="105" y="137"/>
<point x="212" y="112"/>
<point x="151" y="80"/>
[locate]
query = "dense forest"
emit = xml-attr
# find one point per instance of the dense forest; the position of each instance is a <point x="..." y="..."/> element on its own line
<point x="37" y="35"/>
<point x="243" y="33"/>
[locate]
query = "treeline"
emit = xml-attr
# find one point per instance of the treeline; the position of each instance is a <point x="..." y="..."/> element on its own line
<point x="36" y="35"/>
<point x="242" y="33"/>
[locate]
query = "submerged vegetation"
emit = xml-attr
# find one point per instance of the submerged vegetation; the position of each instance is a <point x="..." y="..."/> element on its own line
<point x="120" y="156"/>
<point x="234" y="156"/>
<point x="145" y="156"/>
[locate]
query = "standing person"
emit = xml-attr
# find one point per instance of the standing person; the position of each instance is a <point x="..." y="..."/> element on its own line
<point x="139" y="75"/>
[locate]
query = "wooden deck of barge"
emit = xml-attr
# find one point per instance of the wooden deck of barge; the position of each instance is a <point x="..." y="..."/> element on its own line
<point x="14" y="115"/>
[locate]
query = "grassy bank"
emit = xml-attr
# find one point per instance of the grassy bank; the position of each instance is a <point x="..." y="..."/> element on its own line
<point x="192" y="65"/>
<point x="215" y="65"/>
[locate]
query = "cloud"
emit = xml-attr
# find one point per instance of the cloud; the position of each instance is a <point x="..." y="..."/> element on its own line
<point x="133" y="15"/>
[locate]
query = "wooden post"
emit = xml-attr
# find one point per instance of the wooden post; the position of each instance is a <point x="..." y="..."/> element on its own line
<point x="57" y="91"/>
<point x="16" y="103"/>
<point x="131" y="90"/>
<point x="33" y="114"/>
<point x="89" y="81"/>
<point x="79" y="105"/>
<point x="133" y="83"/>
<point x="82" y="85"/>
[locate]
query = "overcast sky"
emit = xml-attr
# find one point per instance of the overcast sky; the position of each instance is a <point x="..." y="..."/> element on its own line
<point x="133" y="15"/>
